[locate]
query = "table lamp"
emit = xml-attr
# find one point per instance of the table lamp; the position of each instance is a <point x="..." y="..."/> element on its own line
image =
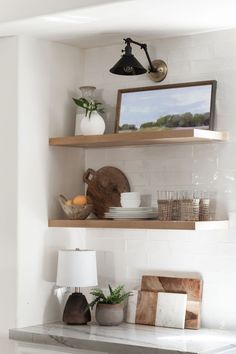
<point x="76" y="268"/>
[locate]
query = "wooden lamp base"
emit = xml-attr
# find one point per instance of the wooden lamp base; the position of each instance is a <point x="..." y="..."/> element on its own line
<point x="76" y="311"/>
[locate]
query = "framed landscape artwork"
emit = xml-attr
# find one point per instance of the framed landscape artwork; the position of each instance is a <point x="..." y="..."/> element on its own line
<point x="156" y="108"/>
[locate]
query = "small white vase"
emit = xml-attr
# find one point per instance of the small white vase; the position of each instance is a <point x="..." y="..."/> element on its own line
<point x="93" y="125"/>
<point x="78" y="119"/>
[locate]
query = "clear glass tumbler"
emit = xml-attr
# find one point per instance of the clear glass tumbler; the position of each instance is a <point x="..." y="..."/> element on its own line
<point x="164" y="201"/>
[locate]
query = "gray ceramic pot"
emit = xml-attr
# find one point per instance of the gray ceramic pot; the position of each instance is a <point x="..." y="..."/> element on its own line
<point x="109" y="314"/>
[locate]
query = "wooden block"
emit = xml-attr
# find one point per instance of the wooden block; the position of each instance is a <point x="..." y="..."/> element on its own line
<point x="146" y="308"/>
<point x="193" y="314"/>
<point x="190" y="286"/>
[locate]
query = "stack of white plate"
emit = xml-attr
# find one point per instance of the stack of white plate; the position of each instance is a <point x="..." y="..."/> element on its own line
<point x="131" y="213"/>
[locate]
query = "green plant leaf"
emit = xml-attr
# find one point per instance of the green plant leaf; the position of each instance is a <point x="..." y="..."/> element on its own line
<point x="110" y="288"/>
<point x="89" y="106"/>
<point x="116" y="296"/>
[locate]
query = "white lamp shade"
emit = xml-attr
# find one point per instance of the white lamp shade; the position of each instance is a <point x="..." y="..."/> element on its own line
<point x="76" y="268"/>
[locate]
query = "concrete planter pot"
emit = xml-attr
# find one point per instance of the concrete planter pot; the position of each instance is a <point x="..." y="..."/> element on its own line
<point x="109" y="314"/>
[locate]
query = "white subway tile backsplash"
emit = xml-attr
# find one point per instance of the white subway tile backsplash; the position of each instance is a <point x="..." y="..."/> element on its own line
<point x="136" y="259"/>
<point x="214" y="299"/>
<point x="125" y="255"/>
<point x="178" y="178"/>
<point x="179" y="165"/>
<point x="137" y="264"/>
<point x="132" y="234"/>
<point x="155" y="164"/>
<point x="106" y="244"/>
<point x="208" y="164"/>
<point x="136" y="272"/>
<point x="203" y="67"/>
<point x="157" y="180"/>
<point x="117" y="163"/>
<point x="217" y="263"/>
<point x="136" y="246"/>
<point x="93" y="156"/>
<point x="203" y="248"/>
<point x="174" y="67"/>
<point x="166" y="235"/>
<point x="179" y="43"/>
<point x="232" y="215"/>
<point x="134" y="165"/>
<point x="169" y="262"/>
<point x="190" y="53"/>
<point x="158" y="247"/>
<point x="114" y="271"/>
<point x="114" y="234"/>
<point x="224" y="105"/>
<point x="225" y="49"/>
<point x="137" y="179"/>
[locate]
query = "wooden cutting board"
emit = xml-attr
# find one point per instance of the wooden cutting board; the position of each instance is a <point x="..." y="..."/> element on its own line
<point x="146" y="308"/>
<point x="105" y="187"/>
<point x="156" y="284"/>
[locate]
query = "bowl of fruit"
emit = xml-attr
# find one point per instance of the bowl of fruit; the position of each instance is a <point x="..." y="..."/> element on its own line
<point x="76" y="208"/>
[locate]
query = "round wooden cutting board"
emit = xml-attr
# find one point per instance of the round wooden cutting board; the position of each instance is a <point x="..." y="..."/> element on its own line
<point x="105" y="187"/>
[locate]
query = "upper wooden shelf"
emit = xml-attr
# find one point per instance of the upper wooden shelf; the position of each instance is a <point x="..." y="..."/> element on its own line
<point x="147" y="138"/>
<point x="141" y="224"/>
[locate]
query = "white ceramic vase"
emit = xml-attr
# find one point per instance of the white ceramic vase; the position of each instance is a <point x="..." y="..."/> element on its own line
<point x="88" y="93"/>
<point x="93" y="125"/>
<point x="78" y="119"/>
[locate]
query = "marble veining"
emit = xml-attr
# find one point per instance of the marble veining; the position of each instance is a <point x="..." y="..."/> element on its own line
<point x="130" y="338"/>
<point x="171" y="309"/>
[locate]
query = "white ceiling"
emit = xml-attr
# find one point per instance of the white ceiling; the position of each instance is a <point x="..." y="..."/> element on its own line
<point x="140" y="19"/>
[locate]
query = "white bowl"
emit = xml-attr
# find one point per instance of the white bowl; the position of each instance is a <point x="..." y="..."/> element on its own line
<point x="130" y="203"/>
<point x="136" y="201"/>
<point x="130" y="195"/>
<point x="130" y="198"/>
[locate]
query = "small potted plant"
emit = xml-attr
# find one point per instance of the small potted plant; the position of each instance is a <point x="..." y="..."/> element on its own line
<point x="92" y="123"/>
<point x="110" y="308"/>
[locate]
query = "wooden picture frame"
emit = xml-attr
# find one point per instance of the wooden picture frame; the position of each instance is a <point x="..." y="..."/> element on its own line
<point x="131" y="116"/>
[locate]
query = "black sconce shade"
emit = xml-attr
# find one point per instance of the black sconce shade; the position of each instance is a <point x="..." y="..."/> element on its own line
<point x="128" y="65"/>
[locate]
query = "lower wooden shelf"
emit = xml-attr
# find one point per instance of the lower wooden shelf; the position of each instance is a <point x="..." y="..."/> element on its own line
<point x="141" y="138"/>
<point x="142" y="224"/>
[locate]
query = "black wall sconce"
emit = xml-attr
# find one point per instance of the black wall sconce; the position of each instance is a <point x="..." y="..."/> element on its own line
<point x="129" y="65"/>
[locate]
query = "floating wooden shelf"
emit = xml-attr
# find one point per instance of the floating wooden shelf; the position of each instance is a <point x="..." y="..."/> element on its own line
<point x="142" y="224"/>
<point x="147" y="138"/>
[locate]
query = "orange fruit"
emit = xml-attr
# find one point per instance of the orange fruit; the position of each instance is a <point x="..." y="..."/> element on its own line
<point x="80" y="200"/>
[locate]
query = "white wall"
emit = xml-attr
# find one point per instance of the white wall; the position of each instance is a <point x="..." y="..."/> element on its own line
<point x="124" y="255"/>
<point x="8" y="188"/>
<point x="48" y="78"/>
<point x="38" y="80"/>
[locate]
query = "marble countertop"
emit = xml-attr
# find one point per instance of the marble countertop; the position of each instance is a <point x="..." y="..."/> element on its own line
<point x="127" y="338"/>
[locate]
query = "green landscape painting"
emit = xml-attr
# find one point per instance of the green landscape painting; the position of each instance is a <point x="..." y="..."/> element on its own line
<point x="170" y="108"/>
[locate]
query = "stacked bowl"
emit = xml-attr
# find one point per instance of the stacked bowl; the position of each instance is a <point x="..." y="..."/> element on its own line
<point x="130" y="200"/>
